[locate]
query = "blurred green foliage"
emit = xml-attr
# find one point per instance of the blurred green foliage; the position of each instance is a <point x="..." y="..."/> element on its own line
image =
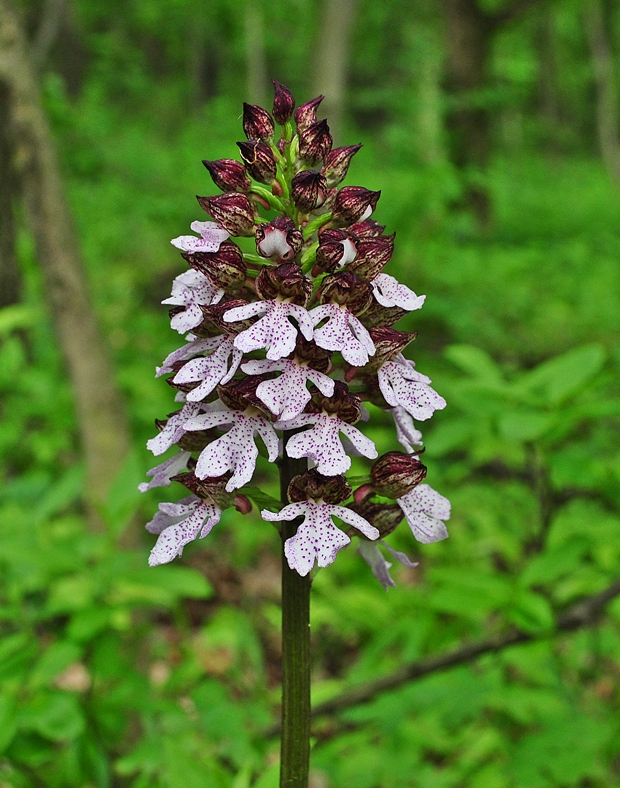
<point x="113" y="674"/>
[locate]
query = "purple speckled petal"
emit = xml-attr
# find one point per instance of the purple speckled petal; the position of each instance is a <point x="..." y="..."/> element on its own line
<point x="174" y="429"/>
<point x="377" y="563"/>
<point x="171" y="513"/>
<point x="406" y="433"/>
<point x="191" y="289"/>
<point x="193" y="347"/>
<point x="246" y="311"/>
<point x="214" y="418"/>
<point x="287" y="395"/>
<point x="323" y="383"/>
<point x="163" y="473"/>
<point x="212" y="235"/>
<point x="322" y="445"/>
<point x="343" y="332"/>
<point x="425" y="509"/>
<point x="404" y="386"/>
<point x="211" y="370"/>
<point x="173" y="539"/>
<point x="363" y="444"/>
<point x="317" y="538"/>
<point x="389" y="292"/>
<point x="236" y="451"/>
<point x="273" y="332"/>
<point x="289" y="512"/>
<point x="357" y="521"/>
<point x="402" y="558"/>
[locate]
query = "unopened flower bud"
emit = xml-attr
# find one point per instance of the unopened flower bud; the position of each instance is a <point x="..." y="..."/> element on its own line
<point x="336" y="248"/>
<point x="213" y="322"/>
<point x="259" y="160"/>
<point x="279" y="239"/>
<point x="283" y="103"/>
<point x="337" y="164"/>
<point x="257" y="123"/>
<point x="345" y="288"/>
<point x="378" y="315"/>
<point x="315" y="142"/>
<point x="384" y="517"/>
<point x="233" y="211"/>
<point x="212" y="489"/>
<point x="343" y="403"/>
<point x="285" y="281"/>
<point x="313" y="485"/>
<point x="229" y="175"/>
<point x="367" y="228"/>
<point x="308" y="190"/>
<point x="388" y="344"/>
<point x="241" y="394"/>
<point x="373" y="254"/>
<point x="309" y="353"/>
<point x="226" y="267"/>
<point x="305" y="114"/>
<point x="395" y="474"/>
<point x="354" y="203"/>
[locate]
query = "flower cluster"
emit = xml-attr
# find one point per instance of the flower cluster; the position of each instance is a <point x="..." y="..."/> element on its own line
<point x="284" y="343"/>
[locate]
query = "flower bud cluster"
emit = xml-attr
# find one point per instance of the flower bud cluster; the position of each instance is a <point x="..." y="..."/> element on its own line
<point x="283" y="346"/>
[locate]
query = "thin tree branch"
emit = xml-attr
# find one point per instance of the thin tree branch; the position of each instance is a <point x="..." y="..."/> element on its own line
<point x="581" y="614"/>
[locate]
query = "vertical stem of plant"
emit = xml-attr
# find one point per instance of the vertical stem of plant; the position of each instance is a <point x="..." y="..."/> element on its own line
<point x="295" y="745"/>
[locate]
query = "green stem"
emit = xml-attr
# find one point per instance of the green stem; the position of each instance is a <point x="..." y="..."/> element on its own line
<point x="295" y="744"/>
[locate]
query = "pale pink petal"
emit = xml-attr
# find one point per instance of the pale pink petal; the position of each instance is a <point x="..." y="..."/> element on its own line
<point x="343" y="332"/>
<point x="389" y="292"/>
<point x="275" y="244"/>
<point x="323" y="383"/>
<point x="350" y="252"/>
<point x="211" y="370"/>
<point x="173" y="539"/>
<point x="174" y="429"/>
<point x="246" y="311"/>
<point x="211" y="237"/>
<point x="406" y="433"/>
<point x="163" y="473"/>
<point x="193" y="347"/>
<point x="171" y="513"/>
<point x="317" y="538"/>
<point x="289" y="512"/>
<point x="357" y="521"/>
<point x="273" y="332"/>
<point x="425" y="510"/>
<point x="287" y="395"/>
<point x="363" y="444"/>
<point x="402" y="385"/>
<point x="377" y="563"/>
<point x="322" y="445"/>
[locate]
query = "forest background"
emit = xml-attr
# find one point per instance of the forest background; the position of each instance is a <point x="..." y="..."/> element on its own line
<point x="492" y="129"/>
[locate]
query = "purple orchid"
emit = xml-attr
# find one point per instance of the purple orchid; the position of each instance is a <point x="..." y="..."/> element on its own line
<point x="274" y="332"/>
<point x="342" y="332"/>
<point x="389" y="292"/>
<point x="235" y="451"/>
<point x="211" y="236"/>
<point x="180" y="523"/>
<point x="174" y="429"/>
<point x="317" y="538"/>
<point x="322" y="443"/>
<point x="191" y="290"/>
<point x="193" y="347"/>
<point x="210" y="370"/>
<point x="425" y="509"/>
<point x="287" y="395"/>
<point x="403" y="385"/>
<point x="162" y="474"/>
<point x="406" y="433"/>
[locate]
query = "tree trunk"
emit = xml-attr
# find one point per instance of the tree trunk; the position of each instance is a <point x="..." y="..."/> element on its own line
<point x="469" y="34"/>
<point x="10" y="279"/>
<point x="255" y="53"/>
<point x="606" y="92"/>
<point x="102" y="422"/>
<point x="332" y="60"/>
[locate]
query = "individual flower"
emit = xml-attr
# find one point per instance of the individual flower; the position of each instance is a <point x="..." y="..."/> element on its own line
<point x="376" y="561"/>
<point x="337" y="164"/>
<point x="322" y="444"/>
<point x="211" y="236"/>
<point x="402" y="385"/>
<point x="283" y="103"/>
<point x="317" y="538"/>
<point x="162" y="474"/>
<point x="173" y="429"/>
<point x="229" y="175"/>
<point x="342" y="332"/>
<point x="389" y="292"/>
<point x="210" y="370"/>
<point x="279" y="239"/>
<point x="287" y="395"/>
<point x="395" y="474"/>
<point x="235" y="451"/>
<point x="191" y="290"/>
<point x="406" y="433"/>
<point x="193" y="347"/>
<point x="425" y="510"/>
<point x="180" y="523"/>
<point x="274" y="331"/>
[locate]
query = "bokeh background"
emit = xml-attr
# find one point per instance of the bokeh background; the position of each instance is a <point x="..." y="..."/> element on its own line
<point x="492" y="128"/>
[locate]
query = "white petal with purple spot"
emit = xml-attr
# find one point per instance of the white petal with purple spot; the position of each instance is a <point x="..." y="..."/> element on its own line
<point x="211" y="370"/>
<point x="211" y="236"/>
<point x="181" y="529"/>
<point x="389" y="292"/>
<point x="425" y="510"/>
<point x="402" y="385"/>
<point x="163" y="473"/>
<point x="343" y="332"/>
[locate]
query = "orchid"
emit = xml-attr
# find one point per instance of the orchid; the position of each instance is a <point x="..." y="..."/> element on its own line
<point x="317" y="538"/>
<point x="284" y="347"/>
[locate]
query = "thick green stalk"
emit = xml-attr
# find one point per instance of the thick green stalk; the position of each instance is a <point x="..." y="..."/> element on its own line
<point x="295" y="745"/>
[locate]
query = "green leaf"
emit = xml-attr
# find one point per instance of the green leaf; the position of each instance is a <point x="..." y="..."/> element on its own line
<point x="56" y="716"/>
<point x="262" y="499"/>
<point x="551" y="565"/>
<point x="525" y="425"/>
<point x="559" y="378"/>
<point x="7" y="721"/>
<point x="475" y="362"/>
<point x="161" y="585"/>
<point x="16" y="316"/>
<point x="57" y="657"/>
<point x="531" y="612"/>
